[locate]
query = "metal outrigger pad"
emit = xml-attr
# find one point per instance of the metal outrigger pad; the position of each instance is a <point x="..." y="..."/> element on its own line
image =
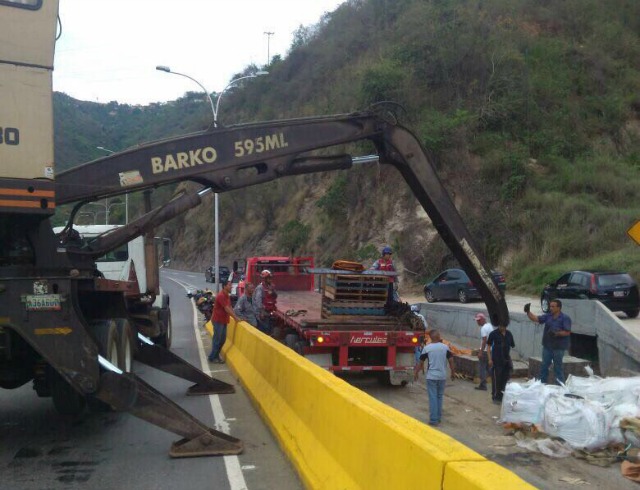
<point x="214" y="443"/>
<point x="165" y="360"/>
<point x="128" y="393"/>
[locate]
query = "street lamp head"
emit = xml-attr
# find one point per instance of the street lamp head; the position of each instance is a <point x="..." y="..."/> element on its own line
<point x="206" y="92"/>
<point x="260" y="73"/>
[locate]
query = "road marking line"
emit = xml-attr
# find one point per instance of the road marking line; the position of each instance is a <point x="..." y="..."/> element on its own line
<point x="231" y="463"/>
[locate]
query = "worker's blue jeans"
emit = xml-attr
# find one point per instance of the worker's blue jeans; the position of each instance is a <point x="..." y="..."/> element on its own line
<point x="219" y="338"/>
<point x="435" y="390"/>
<point x="264" y="325"/>
<point x="549" y="356"/>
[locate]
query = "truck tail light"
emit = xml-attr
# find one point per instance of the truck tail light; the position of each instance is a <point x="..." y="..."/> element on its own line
<point x="320" y="339"/>
<point x="414" y="340"/>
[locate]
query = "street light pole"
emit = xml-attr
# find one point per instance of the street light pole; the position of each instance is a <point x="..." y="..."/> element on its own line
<point x="215" y="196"/>
<point x="268" y="34"/>
<point x="168" y="70"/>
<point x="229" y="85"/>
<point x="107" y="208"/>
<point x="126" y="196"/>
<point x="214" y="110"/>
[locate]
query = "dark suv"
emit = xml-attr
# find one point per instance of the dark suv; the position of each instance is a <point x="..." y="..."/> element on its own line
<point x="616" y="290"/>
<point x="209" y="275"/>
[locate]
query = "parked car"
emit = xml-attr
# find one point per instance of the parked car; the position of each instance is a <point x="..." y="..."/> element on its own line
<point x="454" y="284"/>
<point x="209" y="274"/>
<point x="615" y="290"/>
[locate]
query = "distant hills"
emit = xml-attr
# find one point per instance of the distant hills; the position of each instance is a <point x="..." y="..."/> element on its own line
<point x="530" y="107"/>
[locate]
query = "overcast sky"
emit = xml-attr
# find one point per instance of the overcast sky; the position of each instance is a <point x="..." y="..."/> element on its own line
<point x="109" y="49"/>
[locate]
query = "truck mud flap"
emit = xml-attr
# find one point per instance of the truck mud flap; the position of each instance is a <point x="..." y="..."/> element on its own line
<point x="128" y="393"/>
<point x="163" y="359"/>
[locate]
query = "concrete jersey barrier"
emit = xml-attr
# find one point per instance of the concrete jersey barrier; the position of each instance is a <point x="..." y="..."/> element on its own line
<point x="618" y="346"/>
<point x="338" y="437"/>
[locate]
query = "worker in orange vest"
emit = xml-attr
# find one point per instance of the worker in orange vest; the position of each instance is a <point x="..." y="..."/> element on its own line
<point x="385" y="263"/>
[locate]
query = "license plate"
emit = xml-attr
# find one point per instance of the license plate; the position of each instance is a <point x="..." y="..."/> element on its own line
<point x="43" y="302"/>
<point x="618" y="294"/>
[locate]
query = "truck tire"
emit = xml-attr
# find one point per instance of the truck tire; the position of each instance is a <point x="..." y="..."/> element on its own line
<point x="290" y="340"/>
<point x="632" y="313"/>
<point x="166" y="337"/>
<point x="299" y="347"/>
<point x="106" y="334"/>
<point x="384" y="378"/>
<point x="127" y="347"/>
<point x="66" y="400"/>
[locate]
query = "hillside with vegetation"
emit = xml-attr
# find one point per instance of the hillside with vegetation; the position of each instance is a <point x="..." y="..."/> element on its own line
<point x="530" y="108"/>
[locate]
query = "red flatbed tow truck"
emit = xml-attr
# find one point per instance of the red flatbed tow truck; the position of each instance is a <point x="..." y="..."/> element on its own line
<point x="346" y="324"/>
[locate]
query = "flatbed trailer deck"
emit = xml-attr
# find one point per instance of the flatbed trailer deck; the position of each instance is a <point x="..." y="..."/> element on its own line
<point x="347" y="342"/>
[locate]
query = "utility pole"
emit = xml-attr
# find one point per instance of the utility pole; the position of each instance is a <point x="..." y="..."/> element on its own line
<point x="268" y="34"/>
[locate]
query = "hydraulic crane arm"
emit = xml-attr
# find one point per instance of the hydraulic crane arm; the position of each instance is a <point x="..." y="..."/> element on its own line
<point x="240" y="156"/>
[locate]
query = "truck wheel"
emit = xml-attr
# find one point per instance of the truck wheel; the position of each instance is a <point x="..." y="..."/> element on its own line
<point x="167" y="337"/>
<point x="299" y="347"/>
<point x="66" y="400"/>
<point x="106" y="334"/>
<point x="127" y="345"/>
<point x="291" y="339"/>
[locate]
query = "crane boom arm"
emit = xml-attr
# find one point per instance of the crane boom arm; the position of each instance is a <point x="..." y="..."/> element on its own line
<point x="245" y="155"/>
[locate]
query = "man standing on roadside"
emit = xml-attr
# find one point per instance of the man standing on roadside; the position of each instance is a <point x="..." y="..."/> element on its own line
<point x="265" y="298"/>
<point x="500" y="342"/>
<point x="437" y="355"/>
<point x="555" y="338"/>
<point x="244" y="306"/>
<point x="222" y="311"/>
<point x="485" y="330"/>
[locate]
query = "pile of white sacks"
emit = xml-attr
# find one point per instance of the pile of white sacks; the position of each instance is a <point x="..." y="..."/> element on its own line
<point x="585" y="412"/>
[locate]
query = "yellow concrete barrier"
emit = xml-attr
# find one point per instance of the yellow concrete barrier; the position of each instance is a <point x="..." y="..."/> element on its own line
<point x="341" y="438"/>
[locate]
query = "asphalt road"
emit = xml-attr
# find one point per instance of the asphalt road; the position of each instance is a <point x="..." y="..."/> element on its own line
<point x="42" y="450"/>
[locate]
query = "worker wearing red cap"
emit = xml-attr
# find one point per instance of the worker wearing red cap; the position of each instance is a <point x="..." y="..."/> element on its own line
<point x="483" y="356"/>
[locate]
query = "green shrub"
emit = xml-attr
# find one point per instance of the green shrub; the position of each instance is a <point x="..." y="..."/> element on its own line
<point x="366" y="253"/>
<point x="293" y="235"/>
<point x="334" y="202"/>
<point x="381" y="82"/>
